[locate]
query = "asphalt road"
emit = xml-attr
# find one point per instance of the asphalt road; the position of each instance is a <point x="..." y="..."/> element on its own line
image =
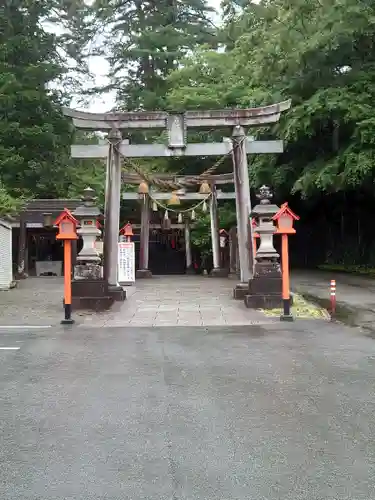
<point x="282" y="413"/>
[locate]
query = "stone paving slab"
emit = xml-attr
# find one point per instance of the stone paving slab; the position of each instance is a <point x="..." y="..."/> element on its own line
<point x="180" y="301"/>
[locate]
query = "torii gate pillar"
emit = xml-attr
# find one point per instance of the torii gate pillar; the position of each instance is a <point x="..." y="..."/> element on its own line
<point x="112" y="215"/>
<point x="243" y="210"/>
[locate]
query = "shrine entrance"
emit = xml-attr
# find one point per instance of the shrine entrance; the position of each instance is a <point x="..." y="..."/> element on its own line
<point x="167" y="252"/>
<point x="119" y="153"/>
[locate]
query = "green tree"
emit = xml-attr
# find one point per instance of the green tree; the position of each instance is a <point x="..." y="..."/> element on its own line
<point x="146" y="41"/>
<point x="318" y="53"/>
<point x="34" y="136"/>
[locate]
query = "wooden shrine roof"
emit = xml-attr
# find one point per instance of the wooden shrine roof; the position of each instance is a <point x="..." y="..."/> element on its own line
<point x="35" y="209"/>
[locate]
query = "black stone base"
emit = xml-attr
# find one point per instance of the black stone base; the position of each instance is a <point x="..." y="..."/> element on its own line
<point x="264" y="290"/>
<point x="93" y="303"/>
<point x="143" y="274"/>
<point x="240" y="291"/>
<point x="91" y="294"/>
<point x="286" y="317"/>
<point x="67" y="322"/>
<point x="219" y="272"/>
<point x="263" y="301"/>
<point x="190" y="270"/>
<point x="117" y="293"/>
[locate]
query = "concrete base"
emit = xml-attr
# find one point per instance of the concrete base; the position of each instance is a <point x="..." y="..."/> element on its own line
<point x="143" y="274"/>
<point x="117" y="293"/>
<point x="219" y="272"/>
<point x="286" y="317"/>
<point x="67" y="322"/>
<point x="240" y="291"/>
<point x="91" y="294"/>
<point x="263" y="301"/>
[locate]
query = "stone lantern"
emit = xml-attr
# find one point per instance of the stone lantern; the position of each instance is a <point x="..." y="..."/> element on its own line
<point x="265" y="287"/>
<point x="89" y="290"/>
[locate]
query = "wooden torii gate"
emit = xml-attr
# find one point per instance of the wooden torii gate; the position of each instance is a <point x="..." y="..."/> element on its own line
<point x="176" y="125"/>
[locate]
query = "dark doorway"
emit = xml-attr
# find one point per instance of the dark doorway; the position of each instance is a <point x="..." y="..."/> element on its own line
<point x="167" y="252"/>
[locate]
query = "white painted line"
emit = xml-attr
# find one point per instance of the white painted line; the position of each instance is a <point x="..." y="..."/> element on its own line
<point x="9" y="348"/>
<point x="24" y="327"/>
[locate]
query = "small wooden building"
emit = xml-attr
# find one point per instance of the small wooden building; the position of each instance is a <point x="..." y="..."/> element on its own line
<point x="6" y="268"/>
<point x="35" y="249"/>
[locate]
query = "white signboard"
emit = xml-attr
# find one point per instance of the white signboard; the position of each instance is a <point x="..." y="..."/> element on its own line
<point x="126" y="262"/>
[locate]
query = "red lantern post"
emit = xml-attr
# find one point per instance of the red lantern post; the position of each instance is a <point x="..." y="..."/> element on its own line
<point x="284" y="219"/>
<point x="67" y="227"/>
<point x="127" y="231"/>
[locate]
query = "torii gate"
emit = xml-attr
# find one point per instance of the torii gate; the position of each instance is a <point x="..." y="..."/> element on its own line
<point x="176" y="125"/>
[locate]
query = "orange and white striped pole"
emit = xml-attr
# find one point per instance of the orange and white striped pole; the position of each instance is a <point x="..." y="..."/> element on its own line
<point x="333" y="297"/>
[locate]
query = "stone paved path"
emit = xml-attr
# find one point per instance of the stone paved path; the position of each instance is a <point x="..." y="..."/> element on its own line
<point x="160" y="301"/>
<point x="179" y="300"/>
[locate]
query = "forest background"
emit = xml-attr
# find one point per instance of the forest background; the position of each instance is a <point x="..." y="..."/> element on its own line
<point x="179" y="54"/>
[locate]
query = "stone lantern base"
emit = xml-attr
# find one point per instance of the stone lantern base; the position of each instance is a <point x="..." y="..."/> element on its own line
<point x="240" y="291"/>
<point x="143" y="274"/>
<point x="264" y="290"/>
<point x="89" y="289"/>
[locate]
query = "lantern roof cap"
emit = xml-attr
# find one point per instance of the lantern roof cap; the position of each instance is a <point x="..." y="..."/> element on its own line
<point x="264" y="208"/>
<point x="285" y="210"/>
<point x="127" y="229"/>
<point x="88" y="207"/>
<point x="65" y="214"/>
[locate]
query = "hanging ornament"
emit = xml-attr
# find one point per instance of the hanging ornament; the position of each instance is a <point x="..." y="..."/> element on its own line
<point x="174" y="199"/>
<point x="154" y="206"/>
<point x="179" y="218"/>
<point x="193" y="214"/>
<point x="166" y="216"/>
<point x="143" y="188"/>
<point x="205" y="188"/>
<point x="204" y="207"/>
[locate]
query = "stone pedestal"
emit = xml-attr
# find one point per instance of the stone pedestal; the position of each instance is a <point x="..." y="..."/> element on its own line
<point x="219" y="272"/>
<point x="117" y="293"/>
<point x="240" y="291"/>
<point x="89" y="289"/>
<point x="143" y="274"/>
<point x="264" y="290"/>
